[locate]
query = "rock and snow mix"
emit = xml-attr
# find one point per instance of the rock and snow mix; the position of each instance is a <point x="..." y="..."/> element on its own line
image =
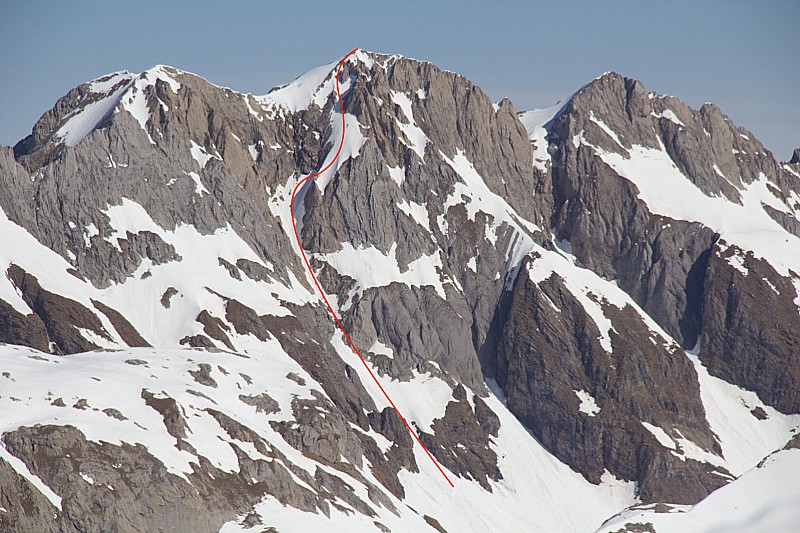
<point x="110" y="394"/>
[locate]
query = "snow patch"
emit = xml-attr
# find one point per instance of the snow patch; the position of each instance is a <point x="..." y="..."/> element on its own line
<point x="661" y="436"/>
<point x="528" y="473"/>
<point x="251" y="148"/>
<point x="89" y="232"/>
<point x="591" y="291"/>
<point x="588" y="403"/>
<point x="370" y="267"/>
<point x="380" y="348"/>
<point x="719" y="172"/>
<point x="165" y="327"/>
<point x="200" y="155"/>
<point x="536" y="124"/>
<point x="564" y="245"/>
<point x="790" y="170"/>
<point x="584" y="287"/>
<point x="398" y="175"/>
<point x="199" y="188"/>
<point x="763" y="499"/>
<point x="135" y="99"/>
<point x="682" y="447"/>
<point x="416" y="211"/>
<point x="744" y="438"/>
<point x="608" y="131"/>
<point x="82" y="121"/>
<point x="737" y="262"/>
<point x="105" y="83"/>
<point x="315" y="86"/>
<point x="481" y="198"/>
<point x="671" y="116"/>
<point x="353" y="141"/>
<point x="51" y="270"/>
<point x="415" y="136"/>
<point x="421" y="400"/>
<point x="105" y="380"/>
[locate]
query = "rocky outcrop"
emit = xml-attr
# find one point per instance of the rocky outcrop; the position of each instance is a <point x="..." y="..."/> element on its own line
<point x="399" y="456"/>
<point x="743" y="344"/>
<point x="337" y="378"/>
<point x="25" y="330"/>
<point x="119" y="496"/>
<point x="62" y="318"/>
<point x="122" y="326"/>
<point x="321" y="432"/>
<point x="461" y="439"/>
<point x="588" y="404"/>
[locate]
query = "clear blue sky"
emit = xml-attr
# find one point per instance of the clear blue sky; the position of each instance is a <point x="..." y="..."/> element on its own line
<point x="743" y="56"/>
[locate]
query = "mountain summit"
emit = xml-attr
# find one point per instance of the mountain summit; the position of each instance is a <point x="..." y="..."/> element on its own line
<point x="592" y="306"/>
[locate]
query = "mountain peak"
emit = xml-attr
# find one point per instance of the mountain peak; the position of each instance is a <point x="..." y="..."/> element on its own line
<point x="527" y="314"/>
<point x="610" y="75"/>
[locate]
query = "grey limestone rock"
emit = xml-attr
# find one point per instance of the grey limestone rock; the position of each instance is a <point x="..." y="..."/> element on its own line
<point x="478" y="315"/>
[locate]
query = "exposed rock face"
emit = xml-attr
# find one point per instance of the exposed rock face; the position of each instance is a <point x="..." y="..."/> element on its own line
<point x="128" y="333"/>
<point x="450" y="257"/>
<point x="263" y="402"/>
<point x="62" y="318"/>
<point x="549" y="355"/>
<point x="27" y="330"/>
<point x="322" y="432"/>
<point x="661" y="262"/>
<point x="399" y="456"/>
<point x="741" y="342"/>
<point x="471" y="430"/>
<point x="609" y="229"/>
<point x="454" y="116"/>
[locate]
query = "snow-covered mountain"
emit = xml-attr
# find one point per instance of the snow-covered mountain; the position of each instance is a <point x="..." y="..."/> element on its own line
<point x="593" y="306"/>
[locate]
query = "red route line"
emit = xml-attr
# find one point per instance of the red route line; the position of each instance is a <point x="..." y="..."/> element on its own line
<point x="319" y="288"/>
